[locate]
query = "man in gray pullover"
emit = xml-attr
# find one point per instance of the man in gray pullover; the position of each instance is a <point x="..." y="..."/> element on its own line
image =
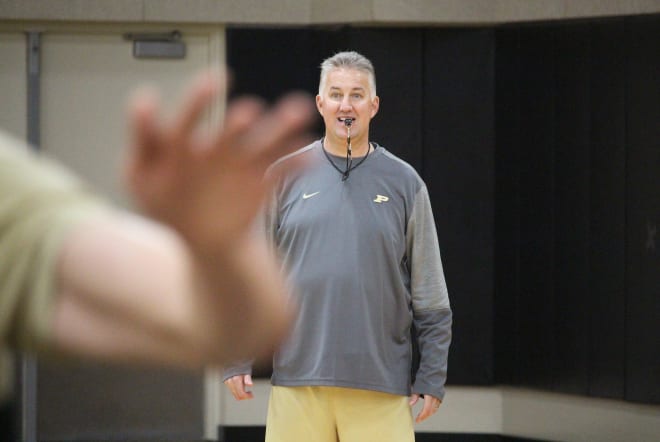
<point x="357" y="237"/>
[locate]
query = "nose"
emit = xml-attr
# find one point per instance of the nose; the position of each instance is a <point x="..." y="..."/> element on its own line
<point x="345" y="104"/>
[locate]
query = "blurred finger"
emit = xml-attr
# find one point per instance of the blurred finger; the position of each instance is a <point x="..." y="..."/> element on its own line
<point x="274" y="132"/>
<point x="143" y="126"/>
<point x="291" y="165"/>
<point x="202" y="93"/>
<point x="241" y="115"/>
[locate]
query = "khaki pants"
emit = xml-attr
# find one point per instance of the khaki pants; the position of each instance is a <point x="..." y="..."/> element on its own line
<point x="332" y="414"/>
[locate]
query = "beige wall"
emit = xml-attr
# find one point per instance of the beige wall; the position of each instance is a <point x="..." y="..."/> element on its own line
<point x="304" y="12"/>
<point x="13" y="85"/>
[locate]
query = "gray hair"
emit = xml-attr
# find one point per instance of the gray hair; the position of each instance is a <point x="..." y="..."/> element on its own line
<point x="348" y="60"/>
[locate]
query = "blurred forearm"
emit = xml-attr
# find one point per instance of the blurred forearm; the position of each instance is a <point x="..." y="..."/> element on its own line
<point x="131" y="290"/>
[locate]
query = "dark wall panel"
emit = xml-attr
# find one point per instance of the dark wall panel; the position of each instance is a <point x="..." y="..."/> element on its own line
<point x="507" y="206"/>
<point x="607" y="209"/>
<point x="7" y="421"/>
<point x="581" y="168"/>
<point x="643" y="210"/>
<point x="459" y="168"/>
<point x="537" y="340"/>
<point x="269" y="63"/>
<point x="571" y="207"/>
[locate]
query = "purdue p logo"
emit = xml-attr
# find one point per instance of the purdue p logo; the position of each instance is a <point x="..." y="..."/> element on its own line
<point x="381" y="199"/>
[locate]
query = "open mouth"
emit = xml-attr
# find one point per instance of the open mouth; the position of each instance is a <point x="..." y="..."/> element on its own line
<point x="348" y="121"/>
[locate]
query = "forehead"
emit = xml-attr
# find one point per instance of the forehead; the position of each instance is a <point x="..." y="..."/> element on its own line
<point x="343" y="78"/>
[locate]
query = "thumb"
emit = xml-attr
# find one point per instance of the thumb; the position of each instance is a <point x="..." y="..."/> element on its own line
<point x="248" y="379"/>
<point x="413" y="399"/>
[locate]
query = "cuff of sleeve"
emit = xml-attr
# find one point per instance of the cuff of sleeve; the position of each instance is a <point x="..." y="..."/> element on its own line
<point x="236" y="370"/>
<point x="423" y="388"/>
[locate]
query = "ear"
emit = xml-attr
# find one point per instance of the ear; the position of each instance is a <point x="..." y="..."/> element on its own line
<point x="375" y="105"/>
<point x="319" y="104"/>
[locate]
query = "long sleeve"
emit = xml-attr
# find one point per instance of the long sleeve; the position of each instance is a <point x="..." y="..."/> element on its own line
<point x="432" y="315"/>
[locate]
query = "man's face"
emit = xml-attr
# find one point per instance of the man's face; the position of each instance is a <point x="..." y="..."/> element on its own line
<point x="347" y="94"/>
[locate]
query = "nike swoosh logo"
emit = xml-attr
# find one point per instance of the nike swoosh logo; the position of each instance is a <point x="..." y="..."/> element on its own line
<point x="306" y="195"/>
